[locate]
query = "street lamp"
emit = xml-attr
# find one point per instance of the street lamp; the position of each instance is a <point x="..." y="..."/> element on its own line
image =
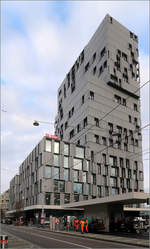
<point x="37" y="122"/>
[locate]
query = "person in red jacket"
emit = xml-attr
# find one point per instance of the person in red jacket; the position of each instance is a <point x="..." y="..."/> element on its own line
<point x="82" y="225"/>
<point x="86" y="225"/>
<point x="77" y="225"/>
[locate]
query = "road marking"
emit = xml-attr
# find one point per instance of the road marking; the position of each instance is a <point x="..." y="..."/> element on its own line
<point x="67" y="242"/>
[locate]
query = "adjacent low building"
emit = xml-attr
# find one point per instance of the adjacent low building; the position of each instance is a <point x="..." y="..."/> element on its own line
<point x="4" y="203"/>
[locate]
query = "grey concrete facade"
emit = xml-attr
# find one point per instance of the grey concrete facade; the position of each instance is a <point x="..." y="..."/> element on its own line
<point x="99" y="108"/>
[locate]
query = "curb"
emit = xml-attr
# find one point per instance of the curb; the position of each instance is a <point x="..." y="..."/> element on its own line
<point x="103" y="239"/>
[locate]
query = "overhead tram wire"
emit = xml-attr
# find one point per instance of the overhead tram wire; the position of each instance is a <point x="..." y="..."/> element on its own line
<point x="114" y="108"/>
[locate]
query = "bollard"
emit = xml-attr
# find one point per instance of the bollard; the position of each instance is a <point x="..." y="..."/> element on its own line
<point x="4" y="241"/>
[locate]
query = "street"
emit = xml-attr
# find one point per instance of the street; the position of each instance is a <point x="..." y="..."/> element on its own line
<point x="46" y="239"/>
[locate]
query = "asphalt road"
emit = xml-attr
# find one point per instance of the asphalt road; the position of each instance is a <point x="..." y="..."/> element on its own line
<point x="46" y="239"/>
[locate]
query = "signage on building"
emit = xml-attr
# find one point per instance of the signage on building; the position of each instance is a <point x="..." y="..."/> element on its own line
<point x="51" y="136"/>
<point x="43" y="215"/>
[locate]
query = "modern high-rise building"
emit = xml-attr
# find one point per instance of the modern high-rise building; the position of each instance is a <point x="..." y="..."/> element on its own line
<point x="99" y="107"/>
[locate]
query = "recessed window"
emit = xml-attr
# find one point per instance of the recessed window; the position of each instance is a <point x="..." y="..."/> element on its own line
<point x="56" y="160"/>
<point x="96" y="122"/>
<point x="91" y="95"/>
<point x="66" y="174"/>
<point x="96" y="139"/>
<point x="56" y="198"/>
<point x="80" y="152"/>
<point x="135" y="107"/>
<point x="48" y="144"/>
<point x="47" y="172"/>
<point x="56" y="173"/>
<point x="66" y="198"/>
<point x="77" y="163"/>
<point x="47" y="198"/>
<point x="87" y="67"/>
<point x="56" y="147"/>
<point x="94" y="70"/>
<point x="66" y="149"/>
<point x="66" y="162"/>
<point x="124" y="102"/>
<point x="104" y="141"/>
<point x="85" y="123"/>
<point x="76" y="176"/>
<point x="117" y="99"/>
<point x="82" y="99"/>
<point x="94" y="56"/>
<point x="77" y="188"/>
<point x="130" y="119"/>
<point x="105" y="64"/>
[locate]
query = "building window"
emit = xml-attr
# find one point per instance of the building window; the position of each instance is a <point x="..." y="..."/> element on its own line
<point x="94" y="70"/>
<point x="96" y="122"/>
<point x="127" y="163"/>
<point x="72" y="134"/>
<point x="91" y="95"/>
<point x="113" y="181"/>
<point x="85" y="177"/>
<point x="104" y="141"/>
<point x="88" y="165"/>
<point x="98" y="168"/>
<point x="140" y="175"/>
<point x="76" y="176"/>
<point x="78" y="128"/>
<point x="123" y="175"/>
<point x="114" y="171"/>
<point x="113" y="161"/>
<point x="103" y="51"/>
<point x="121" y="162"/>
<point x="92" y="155"/>
<point x="87" y="67"/>
<point x="100" y="71"/>
<point x="80" y="152"/>
<point x="105" y="64"/>
<point x="56" y="160"/>
<point x="82" y="99"/>
<point x="56" y="147"/>
<point x="59" y="186"/>
<point x="110" y="142"/>
<point x="135" y="107"/>
<point x="106" y="170"/>
<point x="76" y="197"/>
<point x="66" y="149"/>
<point x="99" y="191"/>
<point x="40" y="185"/>
<point x="47" y="198"/>
<point x="110" y="125"/>
<point x="96" y="139"/>
<point x="117" y="99"/>
<point x="47" y="172"/>
<point x="78" y="188"/>
<point x="136" y="142"/>
<point x="104" y="158"/>
<point x="124" y="102"/>
<point x="66" y="198"/>
<point x="93" y="179"/>
<point x="130" y="120"/>
<point x="125" y="147"/>
<point x="48" y="145"/>
<point x="56" y="199"/>
<point x="85" y="197"/>
<point x="66" y="174"/>
<point x="66" y="162"/>
<point x="56" y="173"/>
<point x="77" y="163"/>
<point x="85" y="123"/>
<point x="115" y="191"/>
<point x="94" y="56"/>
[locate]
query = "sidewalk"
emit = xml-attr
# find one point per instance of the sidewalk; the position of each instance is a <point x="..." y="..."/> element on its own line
<point x="109" y="238"/>
<point x="16" y="242"/>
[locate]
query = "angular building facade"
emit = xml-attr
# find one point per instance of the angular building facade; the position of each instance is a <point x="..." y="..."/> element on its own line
<point x="99" y="108"/>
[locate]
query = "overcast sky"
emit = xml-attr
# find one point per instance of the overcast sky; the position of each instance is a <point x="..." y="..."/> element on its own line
<point x="40" y="42"/>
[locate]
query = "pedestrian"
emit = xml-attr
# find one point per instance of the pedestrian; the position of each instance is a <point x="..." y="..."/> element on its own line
<point x="57" y="224"/>
<point x="74" y="224"/>
<point x="77" y="225"/>
<point x="86" y="225"/>
<point x="82" y="222"/>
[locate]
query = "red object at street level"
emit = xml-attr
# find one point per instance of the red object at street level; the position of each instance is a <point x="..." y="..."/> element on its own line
<point x="51" y="136"/>
<point x="4" y="241"/>
<point x="37" y="215"/>
<point x="43" y="215"/>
